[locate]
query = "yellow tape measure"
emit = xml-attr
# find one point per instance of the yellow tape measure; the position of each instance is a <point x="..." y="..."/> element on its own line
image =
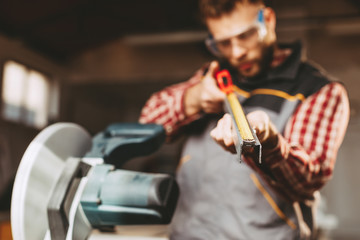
<point x="247" y="136"/>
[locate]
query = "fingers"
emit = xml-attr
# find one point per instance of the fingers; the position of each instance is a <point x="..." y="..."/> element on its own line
<point x="222" y="133"/>
<point x="211" y="97"/>
<point x="228" y="137"/>
<point x="213" y="68"/>
<point x="209" y="106"/>
<point x="261" y="122"/>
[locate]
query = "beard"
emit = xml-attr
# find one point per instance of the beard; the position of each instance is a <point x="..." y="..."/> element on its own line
<point x="267" y="55"/>
<point x="262" y="63"/>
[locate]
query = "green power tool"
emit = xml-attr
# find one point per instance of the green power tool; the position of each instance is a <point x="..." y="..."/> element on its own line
<point x="69" y="183"/>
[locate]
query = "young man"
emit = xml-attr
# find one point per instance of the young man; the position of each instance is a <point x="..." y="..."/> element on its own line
<point x="299" y="115"/>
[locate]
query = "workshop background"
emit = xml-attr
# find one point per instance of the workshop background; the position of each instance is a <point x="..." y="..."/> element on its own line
<point x="96" y="62"/>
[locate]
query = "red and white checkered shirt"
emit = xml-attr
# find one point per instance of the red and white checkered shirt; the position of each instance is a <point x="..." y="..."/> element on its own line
<point x="303" y="161"/>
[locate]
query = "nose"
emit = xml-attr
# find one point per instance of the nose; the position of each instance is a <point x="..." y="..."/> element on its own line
<point x="238" y="51"/>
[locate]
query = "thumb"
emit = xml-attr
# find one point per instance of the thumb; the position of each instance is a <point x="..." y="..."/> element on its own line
<point x="213" y="68"/>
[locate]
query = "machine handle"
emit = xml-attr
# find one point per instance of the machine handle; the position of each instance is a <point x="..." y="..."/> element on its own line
<point x="123" y="141"/>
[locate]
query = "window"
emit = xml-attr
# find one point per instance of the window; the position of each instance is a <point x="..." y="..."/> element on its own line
<point x="28" y="96"/>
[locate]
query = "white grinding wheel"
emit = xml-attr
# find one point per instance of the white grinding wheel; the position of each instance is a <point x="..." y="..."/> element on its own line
<point x="38" y="172"/>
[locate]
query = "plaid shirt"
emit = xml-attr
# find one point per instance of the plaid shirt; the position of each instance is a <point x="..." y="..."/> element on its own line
<point x="304" y="159"/>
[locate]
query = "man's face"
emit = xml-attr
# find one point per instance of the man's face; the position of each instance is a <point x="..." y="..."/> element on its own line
<point x="238" y="39"/>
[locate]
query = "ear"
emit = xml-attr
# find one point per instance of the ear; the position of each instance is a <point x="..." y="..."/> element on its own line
<point x="270" y="18"/>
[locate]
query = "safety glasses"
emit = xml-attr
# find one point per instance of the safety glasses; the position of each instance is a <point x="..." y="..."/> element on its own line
<point x="247" y="37"/>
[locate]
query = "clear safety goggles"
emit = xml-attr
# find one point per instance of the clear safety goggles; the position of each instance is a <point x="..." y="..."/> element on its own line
<point x="247" y="37"/>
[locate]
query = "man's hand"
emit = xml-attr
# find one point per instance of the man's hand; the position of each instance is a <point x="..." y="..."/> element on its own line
<point x="259" y="120"/>
<point x="205" y="96"/>
<point x="222" y="133"/>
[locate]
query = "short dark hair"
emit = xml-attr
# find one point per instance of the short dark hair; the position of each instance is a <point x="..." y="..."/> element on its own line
<point x="216" y="8"/>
